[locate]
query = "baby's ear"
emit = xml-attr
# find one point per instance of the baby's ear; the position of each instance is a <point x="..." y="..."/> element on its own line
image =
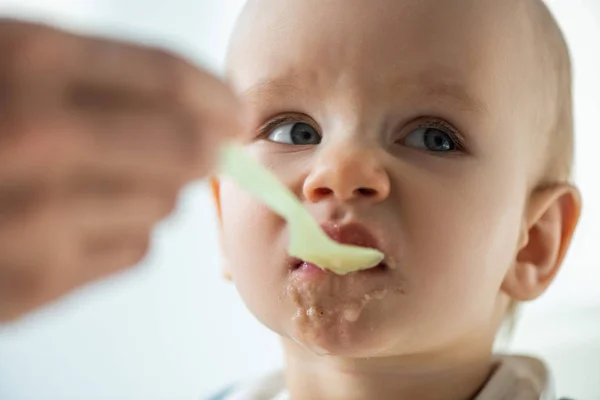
<point x="215" y="186"/>
<point x="550" y="220"/>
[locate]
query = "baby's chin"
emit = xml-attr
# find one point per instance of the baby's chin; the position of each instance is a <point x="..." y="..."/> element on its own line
<point x="332" y="334"/>
<point x="339" y="317"/>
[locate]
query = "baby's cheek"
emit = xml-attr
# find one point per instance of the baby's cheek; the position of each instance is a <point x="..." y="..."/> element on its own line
<point x="248" y="226"/>
<point x="254" y="244"/>
<point x="459" y="243"/>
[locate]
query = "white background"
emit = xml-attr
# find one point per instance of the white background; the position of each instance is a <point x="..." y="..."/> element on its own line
<point x="172" y="329"/>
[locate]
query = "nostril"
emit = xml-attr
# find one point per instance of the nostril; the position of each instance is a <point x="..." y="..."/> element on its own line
<point x="323" y="192"/>
<point x="367" y="192"/>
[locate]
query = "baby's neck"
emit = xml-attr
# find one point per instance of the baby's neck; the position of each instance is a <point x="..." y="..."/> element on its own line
<point x="426" y="377"/>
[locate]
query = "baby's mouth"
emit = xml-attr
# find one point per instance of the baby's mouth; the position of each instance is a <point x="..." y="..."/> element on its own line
<point x="329" y="308"/>
<point x="352" y="234"/>
<point x="306" y="267"/>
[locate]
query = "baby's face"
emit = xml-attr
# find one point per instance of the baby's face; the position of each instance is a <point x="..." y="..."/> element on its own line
<point x="408" y="120"/>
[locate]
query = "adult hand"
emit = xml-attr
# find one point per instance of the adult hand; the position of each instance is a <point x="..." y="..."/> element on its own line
<point x="97" y="138"/>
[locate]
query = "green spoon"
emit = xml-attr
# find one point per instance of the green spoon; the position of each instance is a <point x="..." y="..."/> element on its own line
<point x="308" y="242"/>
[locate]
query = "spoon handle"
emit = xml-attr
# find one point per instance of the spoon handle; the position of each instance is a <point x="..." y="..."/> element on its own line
<point x="259" y="181"/>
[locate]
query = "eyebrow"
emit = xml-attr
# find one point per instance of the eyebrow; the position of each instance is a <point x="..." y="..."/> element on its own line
<point x="450" y="92"/>
<point x="453" y="93"/>
<point x="270" y="88"/>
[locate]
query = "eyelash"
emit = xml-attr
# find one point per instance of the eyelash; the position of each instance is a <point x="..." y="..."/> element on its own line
<point x="267" y="128"/>
<point x="446" y="128"/>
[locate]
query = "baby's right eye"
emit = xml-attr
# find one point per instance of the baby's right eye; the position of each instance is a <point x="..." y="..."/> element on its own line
<point x="297" y="133"/>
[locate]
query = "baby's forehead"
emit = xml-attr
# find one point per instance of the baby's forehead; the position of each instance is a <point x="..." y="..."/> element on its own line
<point x="352" y="28"/>
<point x="298" y="46"/>
<point x="475" y="49"/>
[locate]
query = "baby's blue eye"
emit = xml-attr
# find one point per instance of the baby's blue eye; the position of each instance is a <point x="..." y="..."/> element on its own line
<point x="430" y="139"/>
<point x="297" y="133"/>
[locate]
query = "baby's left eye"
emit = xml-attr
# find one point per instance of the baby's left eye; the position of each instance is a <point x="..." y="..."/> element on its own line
<point x="298" y="133"/>
<point x="430" y="139"/>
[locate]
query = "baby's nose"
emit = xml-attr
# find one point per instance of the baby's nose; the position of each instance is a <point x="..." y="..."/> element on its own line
<point x="348" y="174"/>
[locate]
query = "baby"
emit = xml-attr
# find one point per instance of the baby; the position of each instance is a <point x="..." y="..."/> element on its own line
<point x="439" y="132"/>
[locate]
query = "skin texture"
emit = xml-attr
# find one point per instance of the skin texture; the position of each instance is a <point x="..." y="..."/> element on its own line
<point x="464" y="233"/>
